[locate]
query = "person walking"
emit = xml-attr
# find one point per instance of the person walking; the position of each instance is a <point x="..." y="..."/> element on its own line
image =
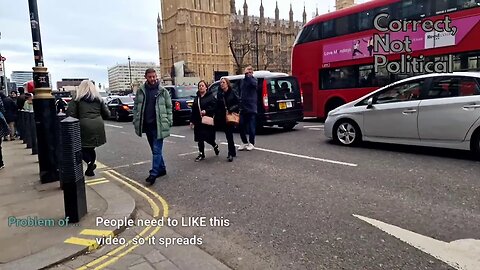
<point x="153" y="115"/>
<point x="248" y="110"/>
<point x="204" y="106"/>
<point x="227" y="102"/>
<point x="3" y="131"/>
<point x="89" y="108"/>
<point x="10" y="115"/>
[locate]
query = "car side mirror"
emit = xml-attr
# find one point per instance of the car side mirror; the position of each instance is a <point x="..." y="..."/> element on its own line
<point x="370" y="103"/>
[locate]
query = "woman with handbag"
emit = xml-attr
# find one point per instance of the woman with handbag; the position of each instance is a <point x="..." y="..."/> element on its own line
<point x="228" y="107"/>
<point x="203" y="111"/>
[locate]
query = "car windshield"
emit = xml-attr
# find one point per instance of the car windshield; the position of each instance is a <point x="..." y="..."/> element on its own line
<point x="186" y="91"/>
<point x="126" y="100"/>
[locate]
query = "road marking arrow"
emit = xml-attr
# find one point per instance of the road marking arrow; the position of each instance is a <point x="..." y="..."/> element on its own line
<point x="461" y="254"/>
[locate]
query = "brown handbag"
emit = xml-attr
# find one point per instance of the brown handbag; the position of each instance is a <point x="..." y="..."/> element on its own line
<point x="206" y="120"/>
<point x="232" y="118"/>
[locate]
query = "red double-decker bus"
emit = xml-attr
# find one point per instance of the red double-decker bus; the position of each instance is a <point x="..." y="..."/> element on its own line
<point x="333" y="56"/>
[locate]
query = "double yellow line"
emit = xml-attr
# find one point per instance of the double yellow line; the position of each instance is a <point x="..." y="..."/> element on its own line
<point x="114" y="255"/>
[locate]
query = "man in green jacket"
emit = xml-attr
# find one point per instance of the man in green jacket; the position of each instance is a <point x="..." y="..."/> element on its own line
<point x="152" y="115"/>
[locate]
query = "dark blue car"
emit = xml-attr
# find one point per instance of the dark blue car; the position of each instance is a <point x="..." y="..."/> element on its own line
<point x="182" y="101"/>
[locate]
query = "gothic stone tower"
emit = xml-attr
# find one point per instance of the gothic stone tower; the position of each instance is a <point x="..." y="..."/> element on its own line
<point x="340" y="4"/>
<point x="195" y="31"/>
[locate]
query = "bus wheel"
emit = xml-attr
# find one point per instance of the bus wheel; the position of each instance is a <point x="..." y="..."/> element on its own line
<point x="332" y="104"/>
<point x="346" y="132"/>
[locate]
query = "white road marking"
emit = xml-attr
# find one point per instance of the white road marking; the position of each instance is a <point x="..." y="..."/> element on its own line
<point x="318" y="126"/>
<point x="177" y="136"/>
<point x="461" y="254"/>
<point x="191" y="153"/>
<point x="317" y="129"/>
<point x="303" y="156"/>
<point x="141" y="162"/>
<point x="114" y="126"/>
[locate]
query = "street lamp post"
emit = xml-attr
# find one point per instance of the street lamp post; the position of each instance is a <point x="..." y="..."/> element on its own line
<point x="130" y="72"/>
<point x="256" y="26"/>
<point x="43" y="105"/>
<point x="172" y="73"/>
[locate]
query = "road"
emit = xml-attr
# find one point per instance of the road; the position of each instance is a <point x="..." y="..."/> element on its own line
<point x="297" y="201"/>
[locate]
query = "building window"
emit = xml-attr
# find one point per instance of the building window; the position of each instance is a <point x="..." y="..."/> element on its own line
<point x="212" y="39"/>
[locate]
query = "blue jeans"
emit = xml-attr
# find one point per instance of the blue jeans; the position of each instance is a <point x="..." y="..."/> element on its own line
<point x="248" y="125"/>
<point x="156" y="145"/>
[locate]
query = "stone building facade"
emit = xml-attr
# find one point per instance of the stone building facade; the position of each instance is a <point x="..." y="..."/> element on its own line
<point x="341" y="4"/>
<point x="213" y="39"/>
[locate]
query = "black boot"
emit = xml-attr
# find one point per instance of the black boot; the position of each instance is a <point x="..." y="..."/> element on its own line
<point x="215" y="148"/>
<point x="90" y="168"/>
<point x="201" y="156"/>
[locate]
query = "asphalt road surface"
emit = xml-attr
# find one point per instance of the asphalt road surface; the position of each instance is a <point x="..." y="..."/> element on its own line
<point x="300" y="202"/>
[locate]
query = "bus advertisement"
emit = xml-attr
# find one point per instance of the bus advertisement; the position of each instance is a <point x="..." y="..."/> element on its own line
<point x="341" y="56"/>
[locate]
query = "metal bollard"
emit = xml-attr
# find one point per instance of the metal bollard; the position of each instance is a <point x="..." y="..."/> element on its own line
<point x="71" y="170"/>
<point x="24" y="126"/>
<point x="60" y="117"/>
<point x="20" y="124"/>
<point x="29" y="126"/>
<point x="34" y="135"/>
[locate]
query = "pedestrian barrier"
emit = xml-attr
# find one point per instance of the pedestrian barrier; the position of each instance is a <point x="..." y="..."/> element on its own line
<point x="58" y="150"/>
<point x="71" y="170"/>
<point x="27" y="130"/>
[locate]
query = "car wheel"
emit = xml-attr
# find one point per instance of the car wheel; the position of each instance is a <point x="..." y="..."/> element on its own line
<point x="347" y="132"/>
<point x="475" y="144"/>
<point x="289" y="126"/>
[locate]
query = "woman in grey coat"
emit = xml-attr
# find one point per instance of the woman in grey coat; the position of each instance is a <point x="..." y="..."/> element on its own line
<point x="89" y="108"/>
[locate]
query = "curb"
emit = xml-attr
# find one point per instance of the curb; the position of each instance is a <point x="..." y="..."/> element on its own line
<point x="120" y="205"/>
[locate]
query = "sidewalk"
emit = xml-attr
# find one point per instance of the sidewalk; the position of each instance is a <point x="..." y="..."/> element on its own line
<point x="25" y="245"/>
<point x="37" y="247"/>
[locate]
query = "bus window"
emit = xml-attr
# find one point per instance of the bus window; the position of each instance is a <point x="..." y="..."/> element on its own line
<point x="309" y="33"/>
<point x="365" y="20"/>
<point x="328" y="29"/>
<point x="412" y="10"/>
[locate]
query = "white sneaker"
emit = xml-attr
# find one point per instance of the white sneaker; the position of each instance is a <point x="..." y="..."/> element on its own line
<point x="250" y="147"/>
<point x="242" y="147"/>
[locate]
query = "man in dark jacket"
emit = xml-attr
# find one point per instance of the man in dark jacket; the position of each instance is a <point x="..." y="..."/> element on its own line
<point x="10" y="114"/>
<point x="153" y="115"/>
<point x="248" y="109"/>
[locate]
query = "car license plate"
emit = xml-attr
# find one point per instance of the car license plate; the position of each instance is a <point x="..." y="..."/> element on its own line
<point x="282" y="105"/>
<point x="189" y="104"/>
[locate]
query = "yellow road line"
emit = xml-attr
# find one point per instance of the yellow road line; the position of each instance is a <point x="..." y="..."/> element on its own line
<point x="99" y="182"/>
<point x="156" y="212"/>
<point x="105" y="233"/>
<point x="91" y="244"/>
<point x="95" y="180"/>
<point x="155" y="194"/>
<point x="100" y="165"/>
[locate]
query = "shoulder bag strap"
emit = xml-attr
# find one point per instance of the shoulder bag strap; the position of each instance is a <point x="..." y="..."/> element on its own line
<point x="199" y="108"/>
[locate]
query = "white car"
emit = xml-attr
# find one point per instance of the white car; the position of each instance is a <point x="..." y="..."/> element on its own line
<point x="436" y="110"/>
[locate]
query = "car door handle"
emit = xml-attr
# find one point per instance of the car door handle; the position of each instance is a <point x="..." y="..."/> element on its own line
<point x="473" y="106"/>
<point x="410" y="111"/>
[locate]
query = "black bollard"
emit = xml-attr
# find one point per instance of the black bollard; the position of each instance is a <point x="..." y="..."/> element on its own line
<point x="61" y="116"/>
<point x="34" y="135"/>
<point x="29" y="126"/>
<point x="24" y="126"/>
<point x="20" y="125"/>
<point x="71" y="170"/>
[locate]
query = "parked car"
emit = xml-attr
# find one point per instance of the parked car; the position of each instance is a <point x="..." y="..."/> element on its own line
<point x="436" y="110"/>
<point x="121" y="107"/>
<point x="280" y="100"/>
<point x="182" y="101"/>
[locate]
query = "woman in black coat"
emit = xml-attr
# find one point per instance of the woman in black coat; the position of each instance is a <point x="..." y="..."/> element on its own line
<point x="10" y="114"/>
<point x="227" y="101"/>
<point x="202" y="132"/>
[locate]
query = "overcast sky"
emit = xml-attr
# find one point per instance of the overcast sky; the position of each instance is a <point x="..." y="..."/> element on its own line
<point x="81" y="39"/>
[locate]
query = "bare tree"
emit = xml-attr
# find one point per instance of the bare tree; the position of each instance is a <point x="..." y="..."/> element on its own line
<point x="239" y="50"/>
